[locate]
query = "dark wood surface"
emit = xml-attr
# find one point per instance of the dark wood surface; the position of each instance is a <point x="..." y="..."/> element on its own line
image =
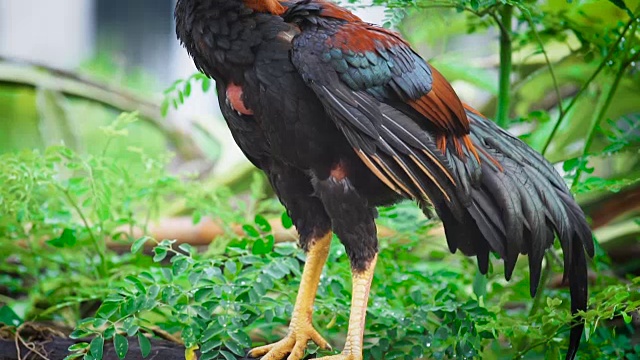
<point x="55" y="348"/>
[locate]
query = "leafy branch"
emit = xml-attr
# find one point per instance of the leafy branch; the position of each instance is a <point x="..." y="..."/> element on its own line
<point x="603" y="64"/>
<point x="74" y="85"/>
<point x="604" y="108"/>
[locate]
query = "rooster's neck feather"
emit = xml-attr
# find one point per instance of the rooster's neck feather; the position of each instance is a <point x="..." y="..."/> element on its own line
<point x="221" y="35"/>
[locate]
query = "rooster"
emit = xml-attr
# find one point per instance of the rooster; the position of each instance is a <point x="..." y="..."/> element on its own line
<point x="343" y="116"/>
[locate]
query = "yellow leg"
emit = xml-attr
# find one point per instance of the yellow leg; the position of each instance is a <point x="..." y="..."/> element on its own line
<point x="300" y="329"/>
<point x="359" y="298"/>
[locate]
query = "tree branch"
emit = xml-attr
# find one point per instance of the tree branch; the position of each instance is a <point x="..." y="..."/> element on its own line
<point x="72" y="84"/>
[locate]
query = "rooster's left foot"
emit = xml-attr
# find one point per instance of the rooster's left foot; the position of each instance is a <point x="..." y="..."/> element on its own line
<point x="342" y="357"/>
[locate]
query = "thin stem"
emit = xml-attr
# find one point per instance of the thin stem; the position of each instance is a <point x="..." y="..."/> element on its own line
<point x="598" y="119"/>
<point x="521" y="353"/>
<point x="94" y="240"/>
<point x="584" y="87"/>
<point x="504" y="93"/>
<point x="552" y="72"/>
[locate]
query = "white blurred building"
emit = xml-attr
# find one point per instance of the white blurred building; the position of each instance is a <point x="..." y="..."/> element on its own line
<point x="136" y="34"/>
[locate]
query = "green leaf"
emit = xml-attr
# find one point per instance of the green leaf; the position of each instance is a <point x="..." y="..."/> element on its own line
<point x="211" y="334"/>
<point x="620" y="4"/>
<point x="196" y="217"/>
<point x="107" y="309"/>
<point x="128" y="322"/>
<point x="160" y="254"/>
<point x="139" y="243"/>
<point x="206" y="84"/>
<point x="187" y="248"/>
<point x="73" y="356"/>
<point x="211" y="355"/>
<point x="251" y="231"/>
<point x="67" y="239"/>
<point x="241" y="338"/>
<point x="121" y="345"/>
<point x="98" y="323"/>
<point x="80" y="333"/>
<point x="230" y="266"/>
<point x="261" y="247"/>
<point x="234" y="347"/>
<point x="227" y="355"/>
<point x="202" y="312"/>
<point x="96" y="347"/>
<point x="287" y="223"/>
<point x="180" y="266"/>
<point x="133" y="330"/>
<point x="9" y="317"/>
<point x="202" y="294"/>
<point x="480" y="284"/>
<point x="210" y="345"/>
<point x="111" y="330"/>
<point x="168" y="295"/>
<point x="262" y="223"/>
<point x="145" y="345"/>
<point x="189" y="335"/>
<point x="79" y="346"/>
<point x="83" y="323"/>
<point x="137" y="283"/>
<point x="553" y="302"/>
<point x="164" y="108"/>
<point x="153" y="291"/>
<point x="167" y="274"/>
<point x="268" y="315"/>
<point x="103" y="211"/>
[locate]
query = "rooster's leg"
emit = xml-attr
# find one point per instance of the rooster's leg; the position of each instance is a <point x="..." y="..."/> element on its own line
<point x="359" y="297"/>
<point x="300" y="329"/>
<point x="356" y="229"/>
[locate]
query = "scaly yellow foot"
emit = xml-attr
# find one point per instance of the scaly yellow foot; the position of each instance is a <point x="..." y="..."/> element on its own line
<point x="359" y="297"/>
<point x="341" y="357"/>
<point x="300" y="328"/>
<point x="294" y="344"/>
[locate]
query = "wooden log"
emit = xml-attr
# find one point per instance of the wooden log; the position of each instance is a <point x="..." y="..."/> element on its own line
<point x="203" y="233"/>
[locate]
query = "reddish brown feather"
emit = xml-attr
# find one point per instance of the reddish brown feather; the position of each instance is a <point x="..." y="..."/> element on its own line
<point x="441" y="142"/>
<point x="266" y="6"/>
<point x="442" y="106"/>
<point x="439" y="165"/>
<point x="469" y="108"/>
<point x="397" y="181"/>
<point x="361" y="37"/>
<point x="445" y="110"/>
<point x="466" y="140"/>
<point x="330" y="9"/>
<point x="491" y="158"/>
<point x="376" y="170"/>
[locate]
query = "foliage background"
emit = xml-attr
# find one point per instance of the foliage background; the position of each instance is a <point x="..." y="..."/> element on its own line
<point x="85" y="196"/>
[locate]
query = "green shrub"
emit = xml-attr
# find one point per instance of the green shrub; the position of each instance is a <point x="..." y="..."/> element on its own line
<point x="59" y="209"/>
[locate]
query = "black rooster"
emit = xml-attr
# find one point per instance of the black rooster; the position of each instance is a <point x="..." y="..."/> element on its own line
<point x="344" y="116"/>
